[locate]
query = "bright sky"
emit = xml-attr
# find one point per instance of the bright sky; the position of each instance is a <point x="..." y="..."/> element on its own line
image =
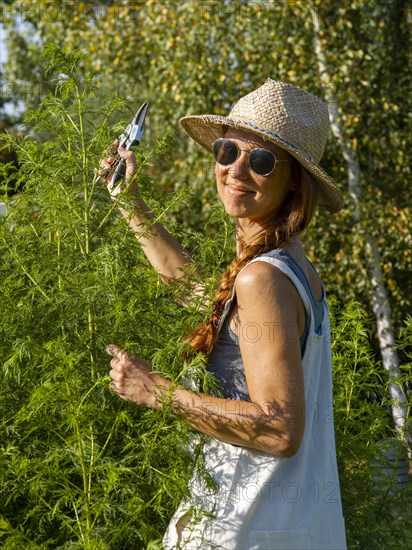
<point x="8" y="109"/>
<point x="3" y="49"/>
<point x="3" y="57"/>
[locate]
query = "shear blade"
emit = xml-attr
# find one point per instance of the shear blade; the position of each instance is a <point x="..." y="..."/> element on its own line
<point x="141" y="114"/>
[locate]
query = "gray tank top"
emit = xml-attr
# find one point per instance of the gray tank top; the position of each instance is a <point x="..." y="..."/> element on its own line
<point x="225" y="361"/>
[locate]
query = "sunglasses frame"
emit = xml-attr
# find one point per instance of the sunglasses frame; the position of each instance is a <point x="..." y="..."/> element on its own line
<point x="239" y="150"/>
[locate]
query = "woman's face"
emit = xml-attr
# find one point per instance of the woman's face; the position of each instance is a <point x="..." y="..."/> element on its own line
<point x="246" y="194"/>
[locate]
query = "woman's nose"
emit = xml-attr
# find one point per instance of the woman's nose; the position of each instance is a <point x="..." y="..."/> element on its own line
<point x="240" y="168"/>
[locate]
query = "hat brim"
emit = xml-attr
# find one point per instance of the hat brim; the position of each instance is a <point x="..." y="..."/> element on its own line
<point x="205" y="129"/>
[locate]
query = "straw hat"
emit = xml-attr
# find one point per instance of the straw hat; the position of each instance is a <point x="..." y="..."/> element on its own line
<point x="286" y="115"/>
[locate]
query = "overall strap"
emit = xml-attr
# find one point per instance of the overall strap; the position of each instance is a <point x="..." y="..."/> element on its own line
<point x="288" y="271"/>
<point x="273" y="259"/>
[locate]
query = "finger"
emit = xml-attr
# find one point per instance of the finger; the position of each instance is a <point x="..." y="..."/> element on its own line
<point x="116" y="376"/>
<point x="113" y="350"/>
<point x="109" y="159"/>
<point x="113" y="147"/>
<point x="119" y="366"/>
<point x="114" y="363"/>
<point x="104" y="170"/>
<point x="117" y="390"/>
<point x="107" y="167"/>
<point x="111" y="162"/>
<point x="131" y="164"/>
<point x="127" y="155"/>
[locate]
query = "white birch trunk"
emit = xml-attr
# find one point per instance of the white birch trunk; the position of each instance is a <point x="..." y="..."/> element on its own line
<point x="379" y="296"/>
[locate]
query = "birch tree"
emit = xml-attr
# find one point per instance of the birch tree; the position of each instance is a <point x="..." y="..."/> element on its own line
<point x="379" y="297"/>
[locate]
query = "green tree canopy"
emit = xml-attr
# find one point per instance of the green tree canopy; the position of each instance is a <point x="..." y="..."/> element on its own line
<point x="199" y="57"/>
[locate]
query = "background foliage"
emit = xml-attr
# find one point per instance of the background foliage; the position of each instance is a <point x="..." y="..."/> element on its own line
<point x="199" y="57"/>
<point x="78" y="467"/>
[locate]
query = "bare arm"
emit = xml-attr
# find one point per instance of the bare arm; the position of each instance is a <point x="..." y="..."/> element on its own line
<point x="163" y="251"/>
<point x="274" y="420"/>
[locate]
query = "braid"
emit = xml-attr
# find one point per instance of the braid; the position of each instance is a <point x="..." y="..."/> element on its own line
<point x="293" y="217"/>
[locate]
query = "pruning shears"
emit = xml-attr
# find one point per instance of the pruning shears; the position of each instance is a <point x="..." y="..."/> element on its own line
<point x="131" y="137"/>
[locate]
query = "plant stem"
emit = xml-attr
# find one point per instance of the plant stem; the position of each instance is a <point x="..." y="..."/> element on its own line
<point x="85" y="474"/>
<point x="87" y="239"/>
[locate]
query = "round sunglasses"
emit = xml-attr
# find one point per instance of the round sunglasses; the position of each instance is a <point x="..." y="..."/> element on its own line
<point x="261" y="161"/>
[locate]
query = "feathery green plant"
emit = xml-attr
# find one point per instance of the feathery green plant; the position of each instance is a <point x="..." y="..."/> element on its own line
<point x="79" y="467"/>
<point x="375" y="509"/>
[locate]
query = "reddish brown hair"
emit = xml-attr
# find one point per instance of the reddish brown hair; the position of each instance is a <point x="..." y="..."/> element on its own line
<point x="291" y="219"/>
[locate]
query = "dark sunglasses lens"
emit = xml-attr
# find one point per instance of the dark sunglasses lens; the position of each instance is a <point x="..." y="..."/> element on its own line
<point x="262" y="161"/>
<point x="225" y="151"/>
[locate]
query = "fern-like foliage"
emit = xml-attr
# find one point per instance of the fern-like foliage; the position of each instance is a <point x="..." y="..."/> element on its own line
<point x="79" y="468"/>
<point x="373" y="461"/>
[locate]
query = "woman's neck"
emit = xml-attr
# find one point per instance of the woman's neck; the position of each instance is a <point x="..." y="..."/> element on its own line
<point x="248" y="234"/>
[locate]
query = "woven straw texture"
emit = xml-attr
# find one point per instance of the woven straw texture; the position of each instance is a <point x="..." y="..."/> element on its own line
<point x="286" y="115"/>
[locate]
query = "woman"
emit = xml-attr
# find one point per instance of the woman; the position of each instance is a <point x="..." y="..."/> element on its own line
<point x="271" y="448"/>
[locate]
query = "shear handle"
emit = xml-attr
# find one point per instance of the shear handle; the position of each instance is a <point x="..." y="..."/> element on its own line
<point x="118" y="173"/>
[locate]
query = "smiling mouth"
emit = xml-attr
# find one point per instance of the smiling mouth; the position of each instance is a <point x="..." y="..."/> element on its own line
<point x="238" y="191"/>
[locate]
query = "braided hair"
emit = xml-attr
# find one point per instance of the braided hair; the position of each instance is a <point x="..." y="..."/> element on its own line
<point x="291" y="219"/>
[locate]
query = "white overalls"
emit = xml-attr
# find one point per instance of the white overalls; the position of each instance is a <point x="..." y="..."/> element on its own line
<point x="263" y="502"/>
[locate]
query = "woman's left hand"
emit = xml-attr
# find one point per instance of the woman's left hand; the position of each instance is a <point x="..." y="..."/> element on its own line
<point x="133" y="378"/>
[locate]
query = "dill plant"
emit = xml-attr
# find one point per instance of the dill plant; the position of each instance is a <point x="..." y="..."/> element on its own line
<point x="376" y="510"/>
<point x="80" y="468"/>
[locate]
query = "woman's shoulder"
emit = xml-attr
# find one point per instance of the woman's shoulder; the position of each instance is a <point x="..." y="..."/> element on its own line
<point x="260" y="278"/>
<point x="296" y="262"/>
<point x="264" y="292"/>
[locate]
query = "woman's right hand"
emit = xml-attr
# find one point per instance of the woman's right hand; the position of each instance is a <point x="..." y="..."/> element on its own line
<point x="108" y="166"/>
